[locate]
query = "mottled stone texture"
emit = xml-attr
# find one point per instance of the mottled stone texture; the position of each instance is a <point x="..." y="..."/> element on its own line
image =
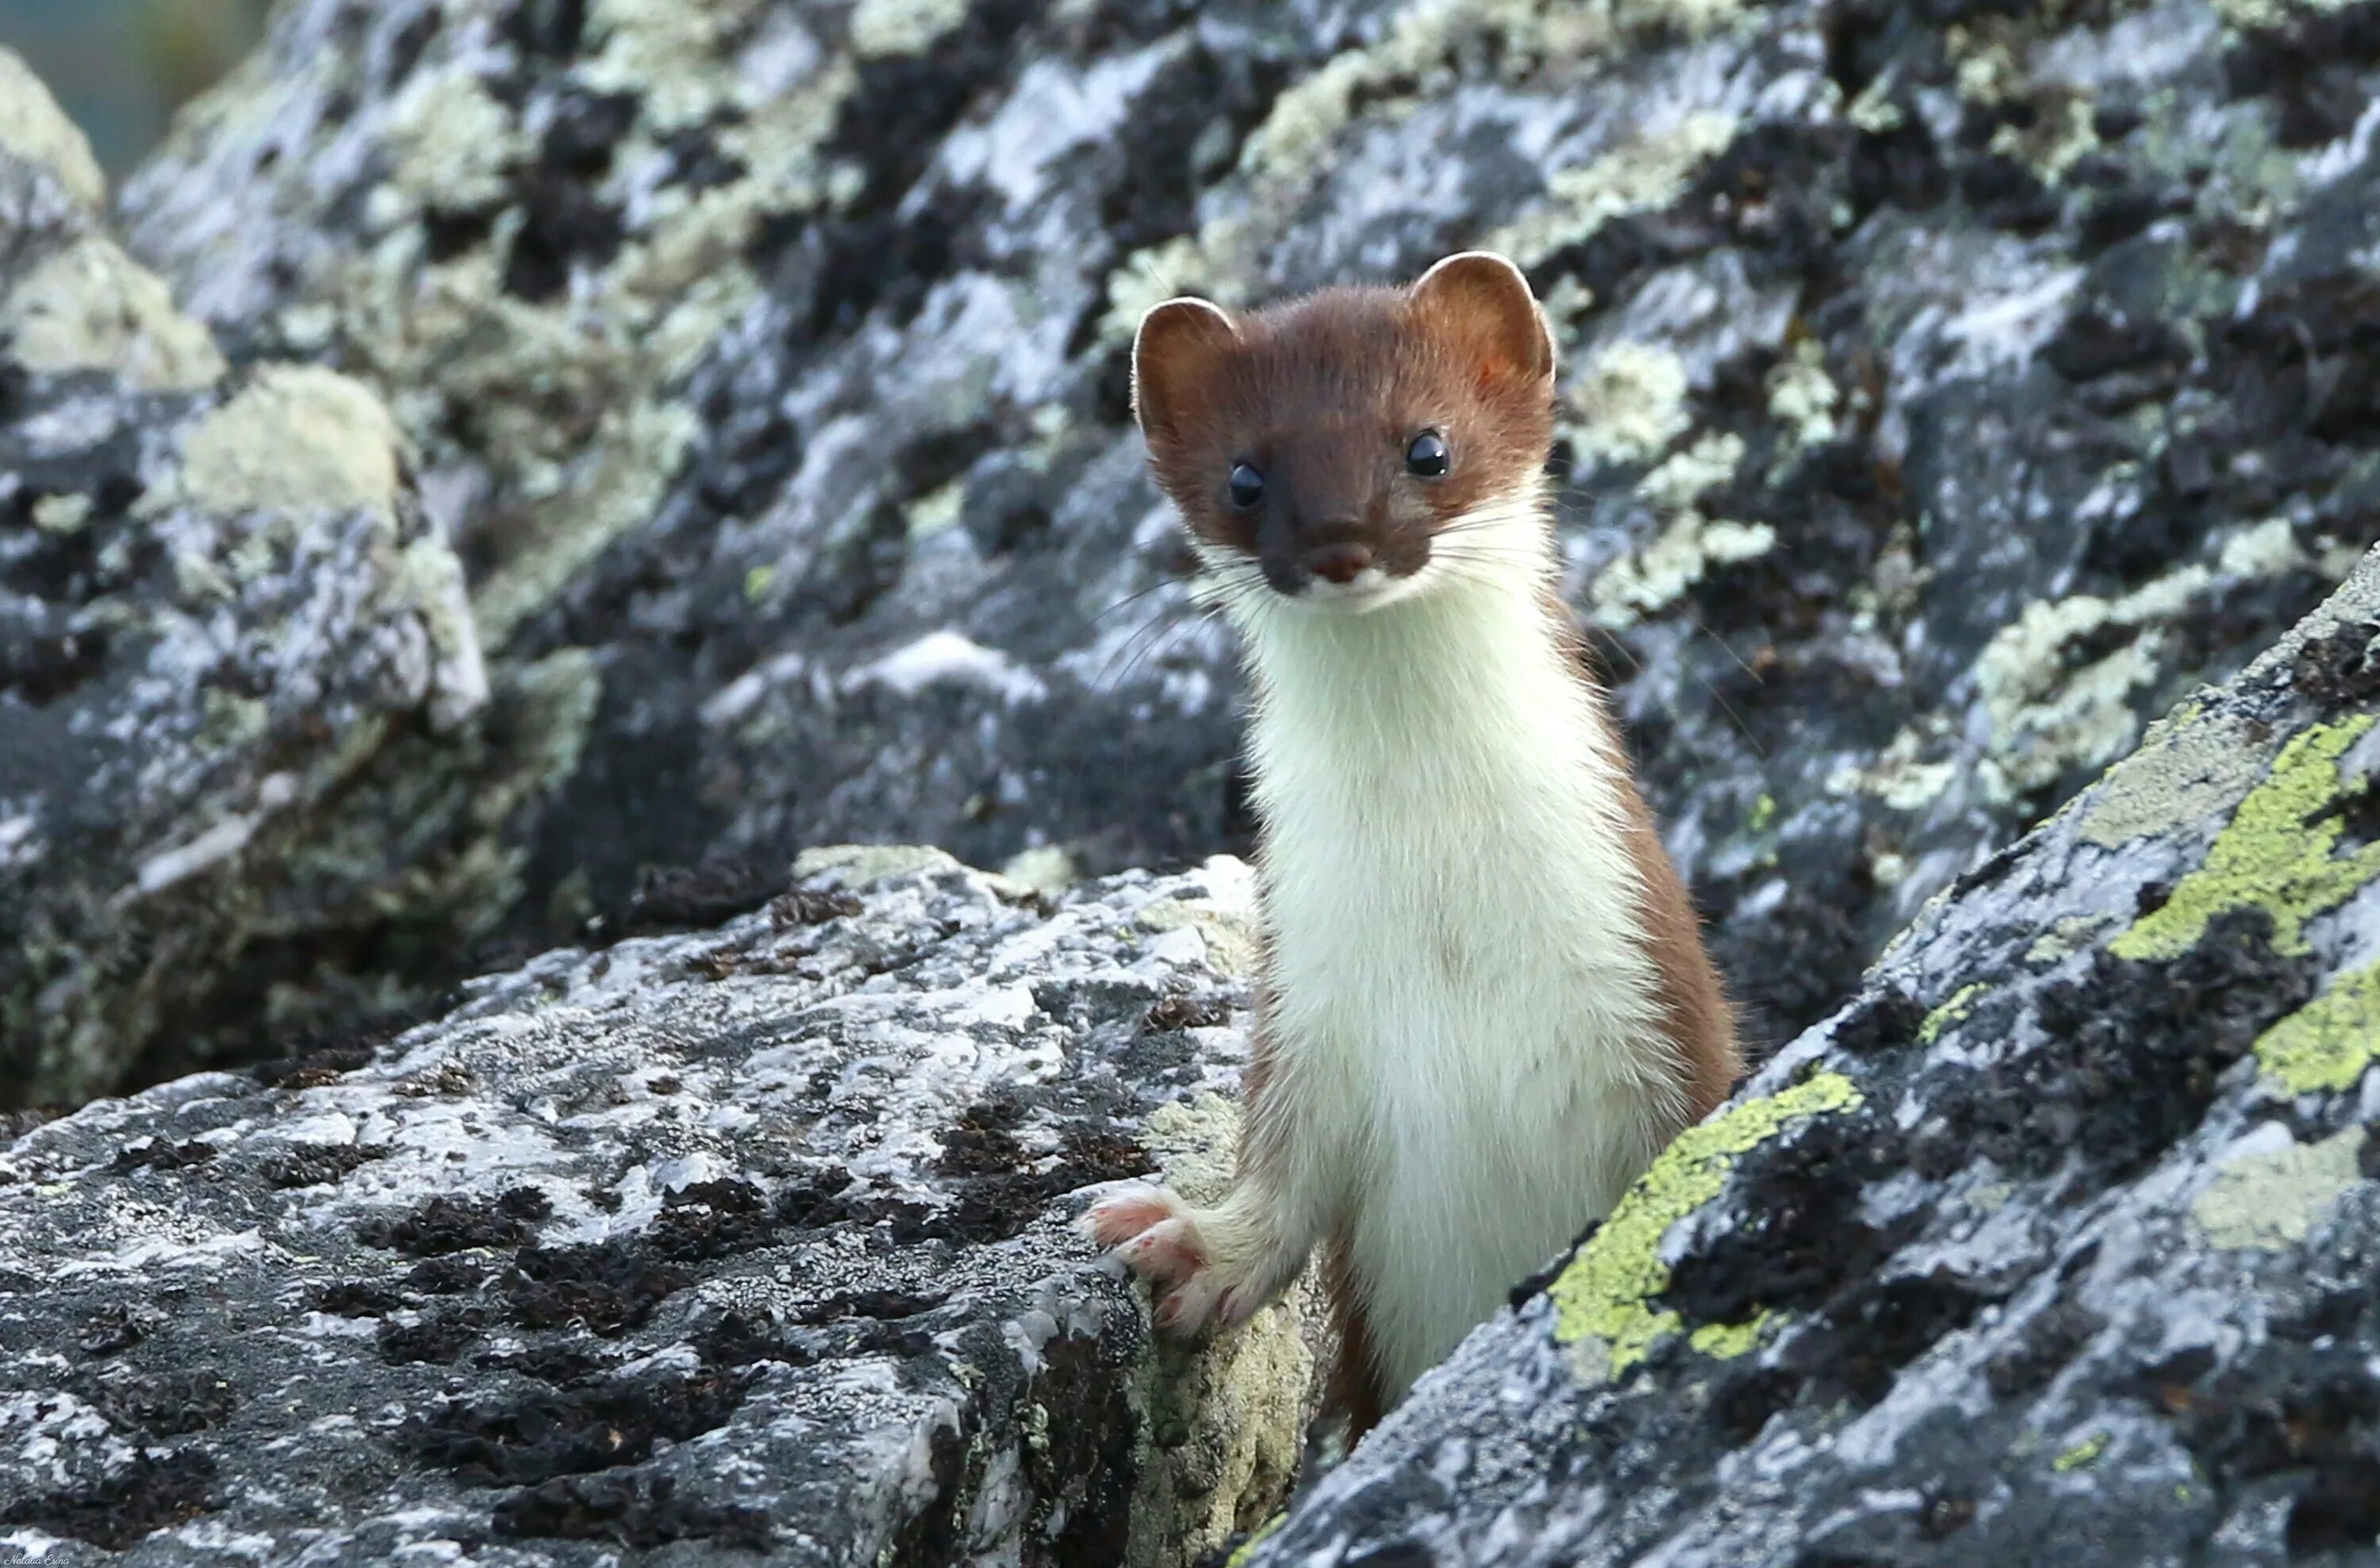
<point x="2056" y="1245"/>
<point x="220" y="606"/>
<point x="748" y="1245"/>
<point x="1947" y="388"/>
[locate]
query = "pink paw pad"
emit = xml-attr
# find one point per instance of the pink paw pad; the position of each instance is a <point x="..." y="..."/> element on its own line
<point x="1118" y="1219"/>
<point x="1166" y="1251"/>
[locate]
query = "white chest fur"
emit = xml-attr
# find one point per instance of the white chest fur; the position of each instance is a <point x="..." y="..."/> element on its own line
<point x="1465" y="1008"/>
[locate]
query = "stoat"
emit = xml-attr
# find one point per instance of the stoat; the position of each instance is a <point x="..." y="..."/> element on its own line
<point x="1485" y="1002"/>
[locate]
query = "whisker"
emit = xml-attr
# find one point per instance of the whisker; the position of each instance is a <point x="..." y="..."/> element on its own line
<point x="1696" y="623"/>
<point x="1125" y="655"/>
<point x="1489" y="556"/>
<point x="1128" y="601"/>
<point x="1725" y="706"/>
<point x="1612" y="639"/>
<point x="1168" y="633"/>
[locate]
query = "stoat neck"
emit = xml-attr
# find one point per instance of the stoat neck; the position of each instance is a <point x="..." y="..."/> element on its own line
<point x="1468" y="685"/>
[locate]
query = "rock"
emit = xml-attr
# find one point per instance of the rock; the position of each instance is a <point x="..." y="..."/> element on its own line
<point x="37" y="135"/>
<point x="220" y="602"/>
<point x="754" y="1240"/>
<point x="2056" y="1244"/>
<point x="1945" y="395"/>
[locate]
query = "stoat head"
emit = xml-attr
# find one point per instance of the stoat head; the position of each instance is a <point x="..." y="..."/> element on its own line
<point x="1350" y="448"/>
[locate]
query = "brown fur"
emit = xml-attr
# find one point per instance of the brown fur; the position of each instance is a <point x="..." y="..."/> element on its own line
<point x="1693" y="998"/>
<point x="1355" y="1391"/>
<point x="1323" y="395"/>
<point x="1702" y="1023"/>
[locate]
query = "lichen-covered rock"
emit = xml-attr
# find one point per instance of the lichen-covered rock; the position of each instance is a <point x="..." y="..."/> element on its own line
<point x="2056" y="1245"/>
<point x="1947" y="389"/>
<point x="218" y="602"/>
<point x="755" y="1241"/>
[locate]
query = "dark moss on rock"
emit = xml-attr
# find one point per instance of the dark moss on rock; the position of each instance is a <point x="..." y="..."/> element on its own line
<point x="628" y="1509"/>
<point x="440" y="1225"/>
<point x="155" y="1489"/>
<point x="571" y="1428"/>
<point x="165" y="1404"/>
<point x="2149" y="1040"/>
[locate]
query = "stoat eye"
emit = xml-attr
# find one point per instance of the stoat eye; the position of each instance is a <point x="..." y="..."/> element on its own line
<point x="1425" y="455"/>
<point x="1247" y="486"/>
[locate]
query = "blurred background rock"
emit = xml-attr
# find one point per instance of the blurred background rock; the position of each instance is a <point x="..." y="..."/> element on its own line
<point x="121" y="67"/>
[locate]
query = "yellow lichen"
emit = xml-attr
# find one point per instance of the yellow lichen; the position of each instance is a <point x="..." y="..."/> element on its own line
<point x="1726" y="1342"/>
<point x="2276" y="855"/>
<point x="1960" y="1004"/>
<point x="1606" y="1292"/>
<point x="1247" y="1549"/>
<point x="2330" y="1042"/>
<point x="2087" y="1452"/>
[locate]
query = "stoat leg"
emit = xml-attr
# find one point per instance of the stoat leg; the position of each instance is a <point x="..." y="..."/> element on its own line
<point x="1215" y="1268"/>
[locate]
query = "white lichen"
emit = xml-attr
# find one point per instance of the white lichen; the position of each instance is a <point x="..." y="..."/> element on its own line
<point x="948" y="658"/>
<point x="2047" y="718"/>
<point x="1630" y="401"/>
<point x="450" y="143"/>
<point x="1658" y="577"/>
<point x="1645" y="175"/>
<point x="2272" y="1191"/>
<point x="34" y="128"/>
<point x="882" y="28"/>
<point x="90" y="307"/>
<point x="2246" y="15"/>
<point x="1710" y="464"/>
<point x="1689" y="546"/>
<point x="1149" y="277"/>
<point x="1804" y="398"/>
<point x="1898" y="775"/>
<point x="297" y="438"/>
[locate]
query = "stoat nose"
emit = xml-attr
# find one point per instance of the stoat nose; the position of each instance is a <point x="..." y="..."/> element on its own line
<point x="1338" y="563"/>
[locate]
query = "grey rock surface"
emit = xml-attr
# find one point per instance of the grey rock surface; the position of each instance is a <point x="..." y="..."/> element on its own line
<point x="1947" y="391"/>
<point x="698" y="1248"/>
<point x="220" y="602"/>
<point x="2054" y="1245"/>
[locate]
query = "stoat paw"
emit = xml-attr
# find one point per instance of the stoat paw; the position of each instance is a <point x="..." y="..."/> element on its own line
<point x="1133" y="1213"/>
<point x="1157" y="1236"/>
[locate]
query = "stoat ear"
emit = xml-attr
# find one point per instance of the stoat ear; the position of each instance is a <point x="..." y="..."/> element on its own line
<point x="1481" y="300"/>
<point x="1179" y="348"/>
